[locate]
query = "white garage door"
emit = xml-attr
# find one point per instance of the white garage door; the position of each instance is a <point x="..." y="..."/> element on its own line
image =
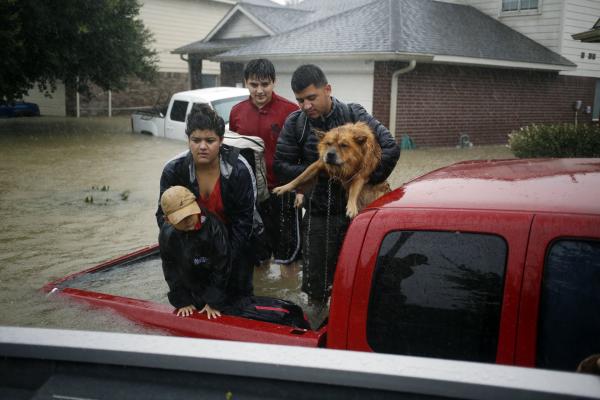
<point x="351" y="80"/>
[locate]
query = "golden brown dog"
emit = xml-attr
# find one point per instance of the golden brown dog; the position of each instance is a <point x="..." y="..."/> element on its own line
<point x="349" y="154"/>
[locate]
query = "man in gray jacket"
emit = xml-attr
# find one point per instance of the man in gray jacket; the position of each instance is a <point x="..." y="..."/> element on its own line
<point x="325" y="222"/>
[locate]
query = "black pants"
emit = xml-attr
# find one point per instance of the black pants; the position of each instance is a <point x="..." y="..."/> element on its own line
<point x="322" y="239"/>
<point x="281" y="220"/>
<point x="240" y="279"/>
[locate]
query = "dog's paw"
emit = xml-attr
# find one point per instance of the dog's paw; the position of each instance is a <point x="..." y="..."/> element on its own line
<point x="280" y="190"/>
<point x="351" y="211"/>
<point x="298" y="200"/>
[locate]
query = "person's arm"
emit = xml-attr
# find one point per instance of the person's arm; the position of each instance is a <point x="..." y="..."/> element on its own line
<point x="288" y="163"/>
<point x="390" y="151"/>
<point x="178" y="295"/>
<point x="242" y="212"/>
<point x="233" y="123"/>
<point x="168" y="178"/>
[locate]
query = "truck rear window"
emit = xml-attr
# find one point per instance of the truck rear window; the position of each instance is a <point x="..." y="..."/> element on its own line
<point x="223" y="107"/>
<point x="437" y="294"/>
<point x="569" y="316"/>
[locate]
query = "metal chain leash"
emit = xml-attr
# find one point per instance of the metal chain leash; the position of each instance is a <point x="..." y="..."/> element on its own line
<point x="327" y="221"/>
<point x="307" y="256"/>
<point x="281" y="219"/>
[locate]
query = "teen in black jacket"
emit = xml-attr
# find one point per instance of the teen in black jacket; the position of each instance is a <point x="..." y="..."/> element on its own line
<point x="237" y="187"/>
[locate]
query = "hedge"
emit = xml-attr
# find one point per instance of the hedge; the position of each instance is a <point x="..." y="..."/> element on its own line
<point x="561" y="140"/>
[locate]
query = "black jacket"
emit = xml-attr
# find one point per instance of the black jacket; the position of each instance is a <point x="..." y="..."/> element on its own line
<point x="196" y="264"/>
<point x="297" y="149"/>
<point x="238" y="188"/>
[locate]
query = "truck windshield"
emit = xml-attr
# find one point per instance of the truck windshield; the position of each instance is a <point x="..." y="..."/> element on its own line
<point x="223" y="107"/>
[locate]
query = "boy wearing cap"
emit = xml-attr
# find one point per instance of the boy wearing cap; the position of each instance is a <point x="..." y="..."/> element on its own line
<point x="195" y="255"/>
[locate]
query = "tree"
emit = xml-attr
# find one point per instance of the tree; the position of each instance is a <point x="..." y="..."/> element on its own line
<point x="80" y="42"/>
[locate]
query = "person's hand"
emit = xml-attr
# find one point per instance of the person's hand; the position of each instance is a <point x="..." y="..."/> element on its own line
<point x="298" y="200"/>
<point x="186" y="311"/>
<point x="210" y="312"/>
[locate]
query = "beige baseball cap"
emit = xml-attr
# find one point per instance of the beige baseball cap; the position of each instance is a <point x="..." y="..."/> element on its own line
<point x="177" y="202"/>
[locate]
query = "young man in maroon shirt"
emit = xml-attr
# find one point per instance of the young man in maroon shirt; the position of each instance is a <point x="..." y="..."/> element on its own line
<point x="263" y="115"/>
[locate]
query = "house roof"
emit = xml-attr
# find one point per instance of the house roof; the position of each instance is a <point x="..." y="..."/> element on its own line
<point x="278" y="19"/>
<point x="213" y="47"/>
<point x="591" y="36"/>
<point x="266" y="3"/>
<point x="273" y="17"/>
<point x="392" y="29"/>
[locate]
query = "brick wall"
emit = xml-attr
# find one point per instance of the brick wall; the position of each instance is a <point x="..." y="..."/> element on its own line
<point x="437" y="103"/>
<point x="138" y="94"/>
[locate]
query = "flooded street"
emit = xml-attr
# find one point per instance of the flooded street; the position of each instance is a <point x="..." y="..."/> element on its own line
<point x="50" y="166"/>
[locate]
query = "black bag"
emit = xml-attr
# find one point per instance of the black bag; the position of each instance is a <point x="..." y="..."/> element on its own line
<point x="270" y="309"/>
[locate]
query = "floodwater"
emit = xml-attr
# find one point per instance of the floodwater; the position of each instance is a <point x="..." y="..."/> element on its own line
<point x="50" y="166"/>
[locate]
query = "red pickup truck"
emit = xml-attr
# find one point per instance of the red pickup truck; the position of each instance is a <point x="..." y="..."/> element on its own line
<point x="492" y="261"/>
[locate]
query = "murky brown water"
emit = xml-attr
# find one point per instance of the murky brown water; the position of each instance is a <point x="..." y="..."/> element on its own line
<point x="48" y="166"/>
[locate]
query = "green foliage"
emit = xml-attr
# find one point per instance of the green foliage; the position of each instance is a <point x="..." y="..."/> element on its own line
<point x="561" y="140"/>
<point x="79" y="42"/>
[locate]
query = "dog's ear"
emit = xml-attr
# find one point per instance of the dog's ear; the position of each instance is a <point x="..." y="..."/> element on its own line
<point x="319" y="134"/>
<point x="359" y="137"/>
<point x="361" y="132"/>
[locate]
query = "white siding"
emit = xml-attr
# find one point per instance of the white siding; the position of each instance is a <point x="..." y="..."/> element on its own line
<point x="580" y="16"/>
<point x="351" y="80"/>
<point x="544" y="27"/>
<point x="238" y="26"/>
<point x="54" y="106"/>
<point x="553" y="27"/>
<point x="176" y="23"/>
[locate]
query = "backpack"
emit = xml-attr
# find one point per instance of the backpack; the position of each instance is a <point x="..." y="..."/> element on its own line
<point x="252" y="148"/>
<point x="270" y="309"/>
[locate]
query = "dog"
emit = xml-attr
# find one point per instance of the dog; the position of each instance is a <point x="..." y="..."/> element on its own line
<point x="349" y="154"/>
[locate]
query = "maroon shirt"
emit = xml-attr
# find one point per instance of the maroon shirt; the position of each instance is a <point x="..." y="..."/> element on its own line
<point x="266" y="122"/>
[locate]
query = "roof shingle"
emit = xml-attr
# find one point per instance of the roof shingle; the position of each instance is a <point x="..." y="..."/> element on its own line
<point x="393" y="27"/>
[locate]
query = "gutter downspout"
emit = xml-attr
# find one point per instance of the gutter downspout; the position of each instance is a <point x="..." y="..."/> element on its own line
<point x="394" y="94"/>
<point x="182" y="58"/>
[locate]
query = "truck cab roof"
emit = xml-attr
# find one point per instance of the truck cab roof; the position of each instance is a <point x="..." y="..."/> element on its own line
<point x="210" y="94"/>
<point x="530" y="185"/>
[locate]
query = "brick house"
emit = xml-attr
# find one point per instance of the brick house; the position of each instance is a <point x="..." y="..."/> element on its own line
<point x="431" y="69"/>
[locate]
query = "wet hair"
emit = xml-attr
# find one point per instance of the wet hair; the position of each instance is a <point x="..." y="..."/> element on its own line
<point x="202" y="117"/>
<point x="260" y="68"/>
<point x="306" y="75"/>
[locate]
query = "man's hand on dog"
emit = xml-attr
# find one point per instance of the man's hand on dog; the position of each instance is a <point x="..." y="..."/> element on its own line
<point x="298" y="200"/>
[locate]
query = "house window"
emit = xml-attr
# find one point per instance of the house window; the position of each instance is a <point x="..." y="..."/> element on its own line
<point x="437" y="294"/>
<point x="519" y="5"/>
<point x="569" y="321"/>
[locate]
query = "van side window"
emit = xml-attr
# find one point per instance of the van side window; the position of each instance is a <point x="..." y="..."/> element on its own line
<point x="178" y="110"/>
<point x="569" y="313"/>
<point x="437" y="294"/>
